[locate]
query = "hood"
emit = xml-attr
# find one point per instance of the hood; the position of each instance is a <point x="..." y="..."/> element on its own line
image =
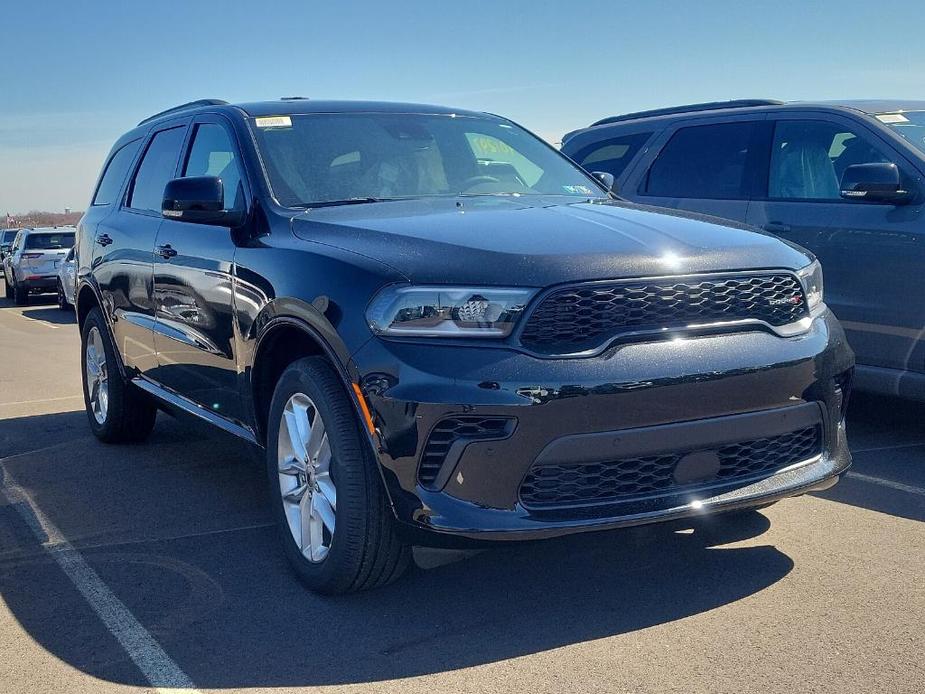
<point x="540" y="241"/>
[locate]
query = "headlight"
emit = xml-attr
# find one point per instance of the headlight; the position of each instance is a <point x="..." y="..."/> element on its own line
<point x="446" y="311"/>
<point x="811" y="278"/>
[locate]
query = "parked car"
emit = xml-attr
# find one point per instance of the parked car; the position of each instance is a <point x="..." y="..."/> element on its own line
<point x="67" y="281"/>
<point x="31" y="266"/>
<point x="6" y="240"/>
<point x="843" y="179"/>
<point x="440" y="330"/>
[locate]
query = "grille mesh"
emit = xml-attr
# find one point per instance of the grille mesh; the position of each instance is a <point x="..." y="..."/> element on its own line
<point x="449" y="431"/>
<point x="584" y="317"/>
<point x="551" y="485"/>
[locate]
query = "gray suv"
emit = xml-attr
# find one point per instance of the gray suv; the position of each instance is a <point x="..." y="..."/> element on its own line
<point x="31" y="266"/>
<point x="844" y="180"/>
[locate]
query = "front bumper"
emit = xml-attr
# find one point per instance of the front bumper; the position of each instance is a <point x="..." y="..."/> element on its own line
<point x="597" y="409"/>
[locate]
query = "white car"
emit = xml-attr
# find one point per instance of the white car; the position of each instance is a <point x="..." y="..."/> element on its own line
<point x="67" y="281"/>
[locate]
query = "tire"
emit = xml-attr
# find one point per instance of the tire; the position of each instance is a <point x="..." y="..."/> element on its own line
<point x="128" y="414"/>
<point x="364" y="550"/>
<point x="20" y="294"/>
<point x="62" y="298"/>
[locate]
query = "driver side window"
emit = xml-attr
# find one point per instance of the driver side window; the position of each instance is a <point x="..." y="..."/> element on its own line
<point x="213" y="154"/>
<point x="809" y="157"/>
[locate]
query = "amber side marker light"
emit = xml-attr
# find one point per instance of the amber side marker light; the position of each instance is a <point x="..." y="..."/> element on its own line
<point x="365" y="408"/>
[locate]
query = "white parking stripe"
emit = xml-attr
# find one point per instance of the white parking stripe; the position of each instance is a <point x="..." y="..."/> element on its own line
<point x="887" y="483"/>
<point x="158" y="668"/>
<point x="40" y="402"/>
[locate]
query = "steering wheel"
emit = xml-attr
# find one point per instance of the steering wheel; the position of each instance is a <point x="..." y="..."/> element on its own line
<point x="474" y="181"/>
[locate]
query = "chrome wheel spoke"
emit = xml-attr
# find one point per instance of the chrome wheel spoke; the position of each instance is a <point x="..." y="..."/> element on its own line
<point x="322" y="458"/>
<point x="296" y="495"/>
<point x="321" y="507"/>
<point x="318" y="438"/>
<point x="291" y="466"/>
<point x="326" y="490"/>
<point x="294" y="428"/>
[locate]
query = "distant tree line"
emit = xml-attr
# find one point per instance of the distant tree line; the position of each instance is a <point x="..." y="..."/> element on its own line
<point x="36" y="218"/>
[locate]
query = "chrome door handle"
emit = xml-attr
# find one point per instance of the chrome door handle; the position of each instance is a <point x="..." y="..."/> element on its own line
<point x="166" y="251"/>
<point x="776" y="227"/>
<point x="104" y="239"/>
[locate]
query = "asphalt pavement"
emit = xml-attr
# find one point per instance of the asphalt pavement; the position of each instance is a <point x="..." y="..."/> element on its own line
<point x="154" y="567"/>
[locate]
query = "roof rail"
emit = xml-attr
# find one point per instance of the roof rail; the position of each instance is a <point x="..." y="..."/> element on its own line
<point x="185" y="107"/>
<point x="690" y="108"/>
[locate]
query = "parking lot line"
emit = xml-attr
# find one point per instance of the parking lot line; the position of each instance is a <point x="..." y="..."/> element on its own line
<point x="887" y="483"/>
<point x="156" y="666"/>
<point x="40" y="402"/>
<point x="40" y="322"/>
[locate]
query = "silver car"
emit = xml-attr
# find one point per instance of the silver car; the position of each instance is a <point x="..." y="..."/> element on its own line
<point x="31" y="266"/>
<point x="67" y="281"/>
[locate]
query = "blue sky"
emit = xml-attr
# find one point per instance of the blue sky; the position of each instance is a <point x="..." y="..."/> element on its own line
<point x="73" y="79"/>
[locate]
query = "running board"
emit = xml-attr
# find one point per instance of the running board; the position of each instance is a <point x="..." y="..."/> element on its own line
<point x="188" y="406"/>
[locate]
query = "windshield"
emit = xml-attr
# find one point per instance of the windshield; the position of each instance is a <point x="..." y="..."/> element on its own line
<point x="49" y="241"/>
<point x="909" y="124"/>
<point x="329" y="158"/>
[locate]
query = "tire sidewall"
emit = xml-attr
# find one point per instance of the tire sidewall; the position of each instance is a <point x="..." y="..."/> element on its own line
<point x="347" y="470"/>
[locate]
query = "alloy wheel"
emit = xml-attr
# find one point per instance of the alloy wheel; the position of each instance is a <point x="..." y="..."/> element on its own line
<point x="308" y="493"/>
<point x="97" y="375"/>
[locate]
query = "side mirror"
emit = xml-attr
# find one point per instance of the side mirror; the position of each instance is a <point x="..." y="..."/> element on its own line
<point x="605" y="179"/>
<point x="198" y="200"/>
<point x="877" y="182"/>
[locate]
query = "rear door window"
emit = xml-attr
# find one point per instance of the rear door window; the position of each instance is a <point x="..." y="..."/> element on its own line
<point x="704" y="161"/>
<point x="157" y="167"/>
<point x="613" y="155"/>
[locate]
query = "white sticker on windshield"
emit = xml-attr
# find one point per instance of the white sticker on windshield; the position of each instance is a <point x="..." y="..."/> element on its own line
<point x="273" y="122"/>
<point x="892" y="118"/>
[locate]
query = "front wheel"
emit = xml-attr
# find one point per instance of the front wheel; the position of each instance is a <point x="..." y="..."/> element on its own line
<point x="335" y="523"/>
<point x="118" y="412"/>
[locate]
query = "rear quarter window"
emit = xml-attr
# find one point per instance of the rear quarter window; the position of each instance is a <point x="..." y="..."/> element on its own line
<point x="114" y="174"/>
<point x="612" y="155"/>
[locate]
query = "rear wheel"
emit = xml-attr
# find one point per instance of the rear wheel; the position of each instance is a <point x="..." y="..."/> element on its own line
<point x="20" y="293"/>
<point x="62" y="298"/>
<point x="117" y="410"/>
<point x="335" y="523"/>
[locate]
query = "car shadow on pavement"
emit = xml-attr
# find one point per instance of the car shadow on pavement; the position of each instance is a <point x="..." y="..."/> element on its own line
<point x="177" y="530"/>
<point x="49" y="314"/>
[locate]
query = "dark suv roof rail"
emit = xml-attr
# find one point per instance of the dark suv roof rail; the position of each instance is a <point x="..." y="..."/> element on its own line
<point x="690" y="108"/>
<point x="184" y="107"/>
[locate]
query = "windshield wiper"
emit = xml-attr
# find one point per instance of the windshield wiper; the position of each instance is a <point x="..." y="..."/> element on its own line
<point x="345" y="201"/>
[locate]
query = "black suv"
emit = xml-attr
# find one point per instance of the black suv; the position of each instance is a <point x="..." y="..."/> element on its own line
<point x="844" y="179"/>
<point x="441" y="330"/>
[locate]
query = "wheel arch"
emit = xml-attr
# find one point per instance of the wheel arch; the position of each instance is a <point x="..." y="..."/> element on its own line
<point x="283" y="340"/>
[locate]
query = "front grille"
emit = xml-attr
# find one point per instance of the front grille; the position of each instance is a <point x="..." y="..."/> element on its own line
<point x="584" y="317"/>
<point x="553" y="485"/>
<point x="449" y="431"/>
